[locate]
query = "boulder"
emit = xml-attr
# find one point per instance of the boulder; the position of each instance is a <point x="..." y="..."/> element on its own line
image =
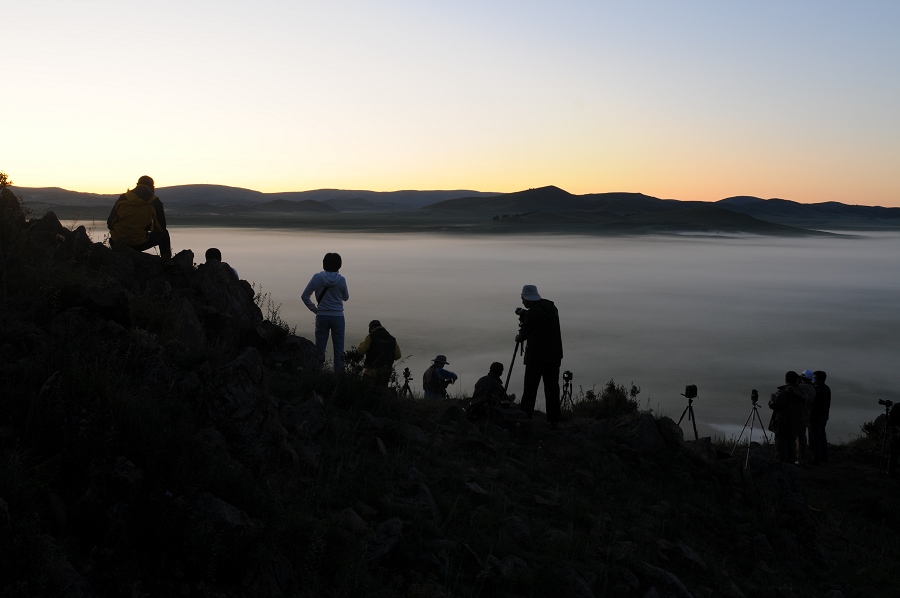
<point x="384" y="539"/>
<point x="229" y="299"/>
<point x="238" y="404"/>
<point x="305" y="419"/>
<point x="108" y="300"/>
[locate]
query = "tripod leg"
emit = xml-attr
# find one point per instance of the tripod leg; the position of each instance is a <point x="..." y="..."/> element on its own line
<point x="511" y="363"/>
<point x="682" y="414"/>
<point x="761" y="426"/>
<point x="749" y="442"/>
<point x="741" y="435"/>
<point x="879" y="444"/>
<point x="694" y="421"/>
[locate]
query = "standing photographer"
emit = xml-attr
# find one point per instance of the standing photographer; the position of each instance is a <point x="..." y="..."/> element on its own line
<point x="543" y="351"/>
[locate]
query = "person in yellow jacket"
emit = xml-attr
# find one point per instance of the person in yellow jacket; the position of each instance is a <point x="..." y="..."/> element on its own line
<point x="381" y="351"/>
<point x="137" y="219"/>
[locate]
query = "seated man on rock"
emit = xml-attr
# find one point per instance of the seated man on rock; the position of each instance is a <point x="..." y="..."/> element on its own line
<point x="137" y="220"/>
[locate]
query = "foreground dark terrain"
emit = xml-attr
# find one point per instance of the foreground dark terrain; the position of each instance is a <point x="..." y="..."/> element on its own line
<point x="162" y="433"/>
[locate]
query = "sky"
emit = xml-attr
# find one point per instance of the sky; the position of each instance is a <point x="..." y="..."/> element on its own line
<point x="688" y="99"/>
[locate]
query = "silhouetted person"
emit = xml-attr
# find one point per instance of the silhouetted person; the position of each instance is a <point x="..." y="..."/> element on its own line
<point x="138" y="220"/>
<point x="381" y="351"/>
<point x="330" y="289"/>
<point x="818" y="417"/>
<point x="489" y="391"/>
<point x="787" y="406"/>
<point x="894" y="423"/>
<point x="436" y="379"/>
<point x="214" y="256"/>
<point x="806" y="385"/>
<point x="543" y="352"/>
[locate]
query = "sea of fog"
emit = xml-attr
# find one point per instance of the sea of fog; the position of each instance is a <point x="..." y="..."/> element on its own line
<point x="728" y="314"/>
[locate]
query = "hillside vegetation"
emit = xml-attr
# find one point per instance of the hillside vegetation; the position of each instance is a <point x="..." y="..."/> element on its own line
<point x="163" y="433"/>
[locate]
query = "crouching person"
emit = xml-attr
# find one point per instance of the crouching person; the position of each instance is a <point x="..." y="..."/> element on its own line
<point x="489" y="391"/>
<point x="436" y="379"/>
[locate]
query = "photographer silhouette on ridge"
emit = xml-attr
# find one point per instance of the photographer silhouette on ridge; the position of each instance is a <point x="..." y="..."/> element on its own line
<point x="541" y="334"/>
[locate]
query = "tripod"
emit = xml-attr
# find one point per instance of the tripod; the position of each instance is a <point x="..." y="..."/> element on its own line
<point x="689" y="411"/>
<point x="566" y="400"/>
<point x="405" y="390"/>
<point x="754" y="416"/>
<point x="882" y="441"/>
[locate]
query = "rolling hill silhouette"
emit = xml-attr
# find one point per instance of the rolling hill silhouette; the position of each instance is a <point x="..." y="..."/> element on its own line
<point x="545" y="208"/>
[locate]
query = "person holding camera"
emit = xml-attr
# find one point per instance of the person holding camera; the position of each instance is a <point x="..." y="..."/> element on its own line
<point x="818" y="417"/>
<point x="787" y="404"/>
<point x="380" y="350"/>
<point x="436" y="379"/>
<point x="540" y="332"/>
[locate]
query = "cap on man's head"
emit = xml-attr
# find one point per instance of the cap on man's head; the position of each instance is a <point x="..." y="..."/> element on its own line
<point x="808" y="374"/>
<point x="374" y="324"/>
<point x="530" y="293"/>
<point x="497" y="368"/>
<point x="440" y="359"/>
<point x="145" y="180"/>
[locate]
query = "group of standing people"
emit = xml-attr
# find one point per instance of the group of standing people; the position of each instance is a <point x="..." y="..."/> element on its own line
<point x="539" y="334"/>
<point x="138" y="220"/>
<point x="801" y="406"/>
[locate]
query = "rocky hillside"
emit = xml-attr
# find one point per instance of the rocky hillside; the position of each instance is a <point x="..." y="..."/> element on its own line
<point x="159" y="437"/>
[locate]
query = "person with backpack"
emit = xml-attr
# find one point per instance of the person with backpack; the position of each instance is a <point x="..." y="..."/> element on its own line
<point x="330" y="289"/>
<point x="138" y="220"/>
<point x="380" y="350"/>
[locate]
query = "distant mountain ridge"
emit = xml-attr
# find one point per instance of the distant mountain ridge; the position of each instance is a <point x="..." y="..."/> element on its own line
<point x="620" y="209"/>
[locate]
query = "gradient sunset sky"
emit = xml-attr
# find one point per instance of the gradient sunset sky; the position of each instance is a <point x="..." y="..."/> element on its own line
<point x="677" y="99"/>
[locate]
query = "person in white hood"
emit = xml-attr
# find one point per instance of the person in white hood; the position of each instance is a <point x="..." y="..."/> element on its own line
<point x="330" y="289"/>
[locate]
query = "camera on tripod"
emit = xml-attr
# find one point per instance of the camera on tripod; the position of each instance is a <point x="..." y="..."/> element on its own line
<point x="887" y="403"/>
<point x="690" y="391"/>
<point x="407" y="376"/>
<point x="567" y="376"/>
<point x="754" y="396"/>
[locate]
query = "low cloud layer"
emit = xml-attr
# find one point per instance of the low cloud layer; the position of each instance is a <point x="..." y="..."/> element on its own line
<point x="725" y="314"/>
